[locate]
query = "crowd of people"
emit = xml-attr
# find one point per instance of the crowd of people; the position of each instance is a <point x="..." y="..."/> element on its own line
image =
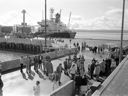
<point x="97" y="70"/>
<point x="42" y="66"/>
<point x="80" y="47"/>
<point x="39" y="63"/>
<point x="73" y="67"/>
<point x="101" y="69"/>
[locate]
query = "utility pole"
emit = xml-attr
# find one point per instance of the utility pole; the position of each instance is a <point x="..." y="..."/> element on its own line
<point x="122" y="29"/>
<point x="45" y="24"/>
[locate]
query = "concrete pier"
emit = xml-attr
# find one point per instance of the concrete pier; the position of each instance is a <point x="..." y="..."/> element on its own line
<point x="13" y="65"/>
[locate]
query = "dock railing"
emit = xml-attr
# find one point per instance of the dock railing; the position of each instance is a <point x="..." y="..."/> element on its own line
<point x="67" y="89"/>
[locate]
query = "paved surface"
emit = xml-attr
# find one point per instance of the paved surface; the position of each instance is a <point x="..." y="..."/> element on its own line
<point x="15" y="85"/>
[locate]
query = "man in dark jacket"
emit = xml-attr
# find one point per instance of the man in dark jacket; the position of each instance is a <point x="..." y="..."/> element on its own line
<point x="59" y="71"/>
<point x="84" y="80"/>
<point x="78" y="83"/>
<point x="107" y="68"/>
<point x="92" y="67"/>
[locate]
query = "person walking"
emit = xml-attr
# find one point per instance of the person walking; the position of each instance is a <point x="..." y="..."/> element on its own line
<point x="30" y="64"/>
<point x="92" y="67"/>
<point x="65" y="63"/>
<point x="40" y="62"/>
<point x="82" y="69"/>
<point x="97" y="70"/>
<point x="78" y="80"/>
<point x="44" y="65"/>
<point x="73" y="70"/>
<point x="113" y="65"/>
<point x="36" y="64"/>
<point x="36" y="89"/>
<point x="21" y="64"/>
<point x="49" y="67"/>
<point x="103" y="66"/>
<point x="108" y="67"/>
<point x="27" y="65"/>
<point x="59" y="71"/>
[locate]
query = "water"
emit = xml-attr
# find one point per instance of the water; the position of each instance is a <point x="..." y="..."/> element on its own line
<point x="102" y="35"/>
<point x="91" y="38"/>
<point x="6" y="55"/>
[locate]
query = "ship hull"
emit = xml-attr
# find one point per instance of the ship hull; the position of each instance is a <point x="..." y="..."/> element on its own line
<point x="57" y="35"/>
<point x="62" y="35"/>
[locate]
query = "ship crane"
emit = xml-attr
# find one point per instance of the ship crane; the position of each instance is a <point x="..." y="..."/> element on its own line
<point x="60" y="15"/>
<point x="69" y="19"/>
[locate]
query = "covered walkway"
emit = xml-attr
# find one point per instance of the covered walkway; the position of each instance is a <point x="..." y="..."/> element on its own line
<point x="117" y="83"/>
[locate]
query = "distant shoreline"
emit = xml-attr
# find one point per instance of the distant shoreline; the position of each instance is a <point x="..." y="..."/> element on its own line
<point x="92" y="39"/>
<point x="99" y="39"/>
<point x="112" y="31"/>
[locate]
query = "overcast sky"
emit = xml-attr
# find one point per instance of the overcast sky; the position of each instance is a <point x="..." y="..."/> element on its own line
<point x="86" y="14"/>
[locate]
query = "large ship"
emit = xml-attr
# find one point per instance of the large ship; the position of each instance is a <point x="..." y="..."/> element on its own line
<point x="55" y="28"/>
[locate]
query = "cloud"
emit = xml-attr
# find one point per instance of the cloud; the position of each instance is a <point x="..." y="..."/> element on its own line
<point x="14" y="17"/>
<point x="9" y="18"/>
<point x="110" y="20"/>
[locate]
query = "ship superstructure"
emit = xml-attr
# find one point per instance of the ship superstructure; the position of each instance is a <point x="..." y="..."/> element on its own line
<point x="55" y="27"/>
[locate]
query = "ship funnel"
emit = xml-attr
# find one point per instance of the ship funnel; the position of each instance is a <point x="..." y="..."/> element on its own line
<point x="57" y="20"/>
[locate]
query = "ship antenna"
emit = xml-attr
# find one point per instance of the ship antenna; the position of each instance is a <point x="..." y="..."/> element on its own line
<point x="51" y="15"/>
<point x="69" y="19"/>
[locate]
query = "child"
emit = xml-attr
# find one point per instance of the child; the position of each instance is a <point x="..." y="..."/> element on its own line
<point x="37" y="89"/>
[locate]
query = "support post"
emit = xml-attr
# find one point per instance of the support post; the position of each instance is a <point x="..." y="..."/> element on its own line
<point x="122" y="29"/>
<point x="45" y="24"/>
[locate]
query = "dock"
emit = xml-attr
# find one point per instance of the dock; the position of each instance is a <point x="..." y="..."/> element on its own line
<point x="13" y="65"/>
<point x="22" y="87"/>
